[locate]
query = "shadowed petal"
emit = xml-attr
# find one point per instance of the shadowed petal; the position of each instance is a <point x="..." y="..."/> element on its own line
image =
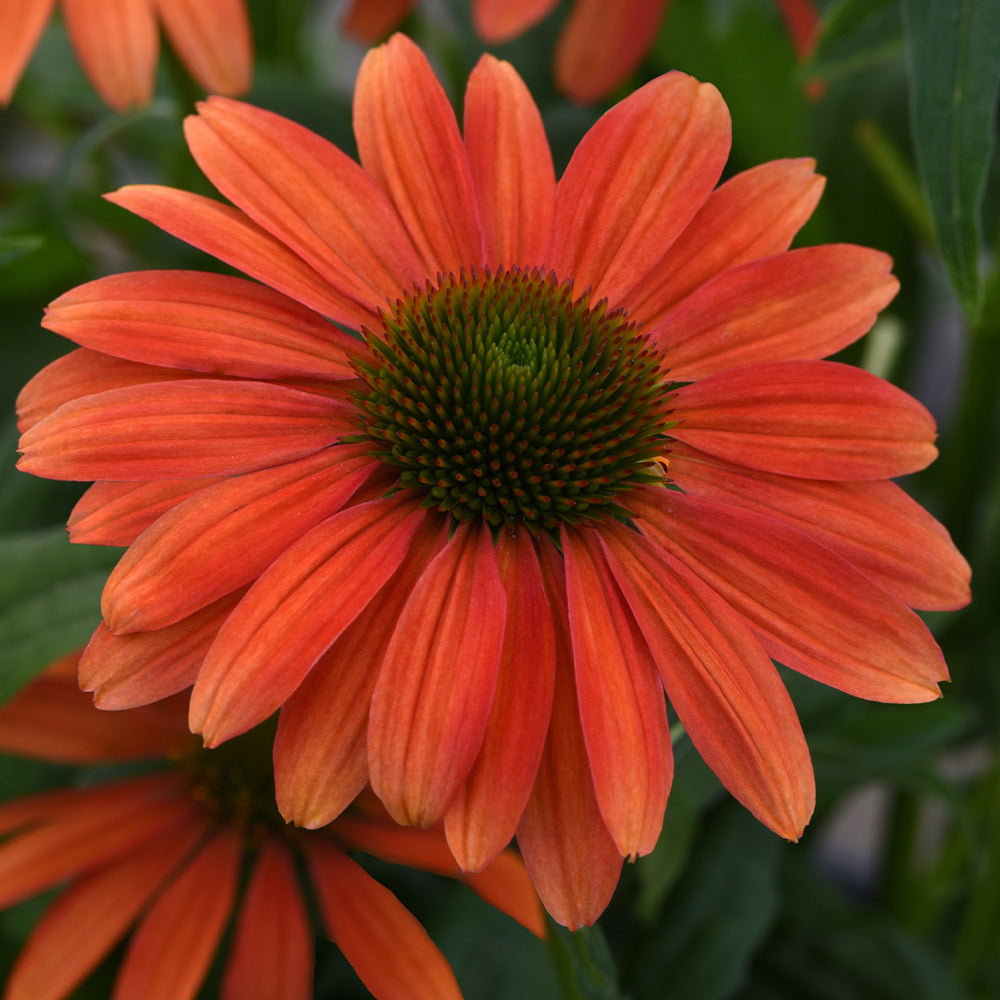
<point x="435" y="688"/>
<point x="171" y="950"/>
<point x="203" y="541"/>
<point x="387" y="947"/>
<point x="815" y="419"/>
<point x="117" y="43"/>
<point x="501" y="20"/>
<point x="212" y="40"/>
<point x="622" y="708"/>
<point x="272" y="951"/>
<point x="723" y="687"/>
<point x="409" y="143"/>
<point x="204" y="322"/>
<point x="802" y="305"/>
<point x="483" y="817"/>
<point x="21" y="25"/>
<point x="811" y="609"/>
<point x="511" y="165"/>
<point x="754" y="214"/>
<point x="874" y="525"/>
<point x="368" y="22"/>
<point x="635" y="181"/>
<point x="175" y="430"/>
<point x="295" y="611"/>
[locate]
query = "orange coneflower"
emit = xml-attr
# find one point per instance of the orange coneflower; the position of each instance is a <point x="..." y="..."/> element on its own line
<point x="117" y="43"/>
<point x="601" y="42"/>
<point x="162" y="854"/>
<point x="583" y="450"/>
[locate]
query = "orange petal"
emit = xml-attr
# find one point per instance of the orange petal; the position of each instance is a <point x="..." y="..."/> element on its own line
<point x="117" y="43"/>
<point x="204" y="322"/>
<point x="622" y="709"/>
<point x="272" y="951"/>
<point x="295" y="611"/>
<point x="569" y="854"/>
<point x="175" y="430"/>
<point x="802" y="21"/>
<point x="212" y="40"/>
<point x="801" y="305"/>
<point x="368" y="22"/>
<point x="226" y="233"/>
<point x="320" y="750"/>
<point x="635" y="181"/>
<point x="874" y="525"/>
<point x="815" y="419"/>
<point x="387" y="947"/>
<point x="435" y="687"/>
<point x="409" y="144"/>
<point x="198" y="552"/>
<point x="723" y="687"/>
<point x="754" y="214"/>
<point x="117" y="513"/>
<point x="82" y="926"/>
<point x="172" y="948"/>
<point x="811" y="609"/>
<point x="599" y="46"/>
<point x="136" y="669"/>
<point x="308" y="194"/>
<point x="502" y="20"/>
<point x="511" y="165"/>
<point x="21" y="25"/>
<point x="484" y="815"/>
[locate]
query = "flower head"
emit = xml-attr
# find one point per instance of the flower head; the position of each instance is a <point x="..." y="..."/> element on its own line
<point x="584" y="451"/>
<point x="164" y="852"/>
<point x="117" y="43"/>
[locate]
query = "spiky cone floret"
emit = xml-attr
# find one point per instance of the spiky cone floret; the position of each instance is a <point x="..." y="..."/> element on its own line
<point x="484" y="626"/>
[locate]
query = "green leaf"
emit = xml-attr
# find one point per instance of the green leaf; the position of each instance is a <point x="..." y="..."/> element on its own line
<point x="49" y="601"/>
<point x="855" y="34"/>
<point x="953" y="56"/>
<point x="583" y="962"/>
<point x="13" y="247"/>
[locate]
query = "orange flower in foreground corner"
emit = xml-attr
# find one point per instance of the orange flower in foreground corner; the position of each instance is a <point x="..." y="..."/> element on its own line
<point x="165" y="850"/>
<point x="601" y="42"/>
<point x="117" y="43"/>
<point x="583" y="451"/>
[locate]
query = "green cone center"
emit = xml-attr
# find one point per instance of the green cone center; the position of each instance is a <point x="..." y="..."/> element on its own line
<point x="503" y="397"/>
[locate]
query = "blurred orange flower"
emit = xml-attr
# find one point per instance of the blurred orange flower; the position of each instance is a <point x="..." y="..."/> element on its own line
<point x="164" y="852"/>
<point x="583" y="450"/>
<point x="601" y="42"/>
<point x="117" y="43"/>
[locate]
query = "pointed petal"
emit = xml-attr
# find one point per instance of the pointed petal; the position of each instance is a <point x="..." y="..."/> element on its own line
<point x="754" y="214"/>
<point x="172" y="948"/>
<point x="435" y="688"/>
<point x="811" y="609"/>
<point x="409" y="144"/>
<point x="511" y="165"/>
<point x="368" y="22"/>
<point x="802" y="21"/>
<point x="622" y="709"/>
<point x="598" y="48"/>
<point x="204" y="322"/>
<point x="723" y="687"/>
<point x="272" y="951"/>
<point x="800" y="305"/>
<point x="124" y="671"/>
<point x="309" y="195"/>
<point x="117" y="43"/>
<point x="21" y="25"/>
<point x="295" y="611"/>
<point x="385" y="944"/>
<point x="82" y="926"/>
<point x="501" y="20"/>
<point x="569" y="854"/>
<point x="635" y="181"/>
<point x="320" y="750"/>
<point x="814" y="419"/>
<point x="175" y="430"/>
<point x="117" y="513"/>
<point x="212" y="40"/>
<point x="874" y="525"/>
<point x="198" y="552"/>
<point x="483" y="817"/>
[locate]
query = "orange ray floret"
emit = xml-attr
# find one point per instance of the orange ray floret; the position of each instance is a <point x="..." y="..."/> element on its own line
<point x="581" y="465"/>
